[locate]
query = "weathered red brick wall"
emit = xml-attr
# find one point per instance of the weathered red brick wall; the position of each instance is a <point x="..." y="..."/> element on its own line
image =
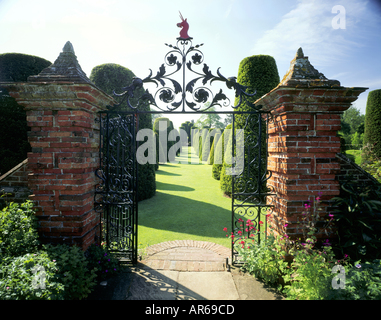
<point x="15" y="183"/>
<point x="61" y="105"/>
<point x="65" y="153"/>
<point x="303" y="141"/>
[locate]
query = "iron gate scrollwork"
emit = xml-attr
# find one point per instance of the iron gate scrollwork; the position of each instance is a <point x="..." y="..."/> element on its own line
<point x="115" y="196"/>
<point x="174" y="94"/>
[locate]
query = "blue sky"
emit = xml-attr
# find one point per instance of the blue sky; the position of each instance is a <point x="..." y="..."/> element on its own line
<point x="133" y="33"/>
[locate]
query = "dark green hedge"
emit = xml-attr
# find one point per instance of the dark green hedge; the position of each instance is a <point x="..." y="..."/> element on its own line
<point x="372" y="132"/>
<point x="14" y="145"/>
<point x="112" y="77"/>
<point x="259" y="73"/>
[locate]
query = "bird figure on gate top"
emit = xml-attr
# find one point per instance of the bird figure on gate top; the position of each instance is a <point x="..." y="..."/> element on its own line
<point x="185" y="27"/>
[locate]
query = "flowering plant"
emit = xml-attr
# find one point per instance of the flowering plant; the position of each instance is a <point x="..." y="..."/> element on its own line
<point x="309" y="275"/>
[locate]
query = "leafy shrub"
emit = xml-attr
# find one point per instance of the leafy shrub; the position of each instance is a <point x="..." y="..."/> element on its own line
<point x="73" y="273"/>
<point x="358" y="219"/>
<point x="100" y="258"/>
<point x="362" y="282"/>
<point x="18" y="234"/>
<point x="310" y="273"/>
<point x="372" y="134"/>
<point x="30" y="277"/>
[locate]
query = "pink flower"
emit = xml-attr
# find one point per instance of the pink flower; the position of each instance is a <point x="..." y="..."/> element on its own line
<point x="226" y="229"/>
<point x="260" y="222"/>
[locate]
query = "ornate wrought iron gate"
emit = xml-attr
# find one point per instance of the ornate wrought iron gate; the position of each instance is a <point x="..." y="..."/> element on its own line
<point x="115" y="196"/>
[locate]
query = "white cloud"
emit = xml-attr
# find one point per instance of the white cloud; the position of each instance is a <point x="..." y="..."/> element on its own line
<point x="309" y="26"/>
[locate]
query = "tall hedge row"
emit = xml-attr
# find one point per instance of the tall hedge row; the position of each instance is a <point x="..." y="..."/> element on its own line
<point x="14" y="145"/>
<point x="168" y="125"/>
<point x="109" y="77"/>
<point x="259" y="73"/>
<point x="372" y="132"/>
<point x="219" y="154"/>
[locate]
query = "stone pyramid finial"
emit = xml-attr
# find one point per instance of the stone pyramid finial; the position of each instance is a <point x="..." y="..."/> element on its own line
<point x="65" y="68"/>
<point x="303" y="72"/>
<point x="68" y="47"/>
<point x="299" y="53"/>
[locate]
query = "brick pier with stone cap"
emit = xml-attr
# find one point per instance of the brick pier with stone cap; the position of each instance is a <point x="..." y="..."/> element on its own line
<point x="187" y="255"/>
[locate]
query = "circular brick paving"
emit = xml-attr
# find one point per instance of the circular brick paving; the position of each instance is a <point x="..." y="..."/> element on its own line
<point x="187" y="255"/>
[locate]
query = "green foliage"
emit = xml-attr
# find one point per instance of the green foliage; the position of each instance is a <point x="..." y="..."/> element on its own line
<point x="362" y="282"/>
<point x="21" y="278"/>
<point x="263" y="261"/>
<point x="372" y="134"/>
<point x="210" y="120"/>
<point x="259" y="73"/>
<point x="102" y="260"/>
<point x="226" y="179"/>
<point x="352" y="127"/>
<point x="18" y="234"/>
<point x="73" y="273"/>
<point x="203" y="150"/>
<point x="219" y="155"/>
<point x="187" y="126"/>
<point x="371" y="163"/>
<point x="168" y="127"/>
<point x="358" y="218"/>
<point x="15" y="67"/>
<point x="215" y="141"/>
<point x="113" y="77"/>
<point x="357" y="140"/>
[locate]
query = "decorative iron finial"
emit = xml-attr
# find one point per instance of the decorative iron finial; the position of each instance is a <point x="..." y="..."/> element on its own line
<point x="185" y="27"/>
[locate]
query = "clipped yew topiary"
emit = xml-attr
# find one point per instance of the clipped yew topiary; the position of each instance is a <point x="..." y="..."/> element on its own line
<point x="214" y="143"/>
<point x="259" y="73"/>
<point x="113" y="77"/>
<point x="372" y="134"/>
<point x="187" y="126"/>
<point x="14" y="145"/>
<point x="219" y="154"/>
<point x="163" y="136"/>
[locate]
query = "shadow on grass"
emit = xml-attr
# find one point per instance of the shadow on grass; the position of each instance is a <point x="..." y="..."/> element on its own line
<point x="165" y="173"/>
<point x="172" y="187"/>
<point x="183" y="215"/>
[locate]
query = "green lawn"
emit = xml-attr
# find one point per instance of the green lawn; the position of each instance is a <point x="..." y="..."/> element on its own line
<point x="354" y="155"/>
<point x="188" y="205"/>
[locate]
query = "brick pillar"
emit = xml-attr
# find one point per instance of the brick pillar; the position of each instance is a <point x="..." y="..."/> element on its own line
<point x="61" y="106"/>
<point x="303" y="140"/>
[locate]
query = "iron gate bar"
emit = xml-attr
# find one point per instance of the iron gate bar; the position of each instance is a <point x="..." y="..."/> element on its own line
<point x="106" y="198"/>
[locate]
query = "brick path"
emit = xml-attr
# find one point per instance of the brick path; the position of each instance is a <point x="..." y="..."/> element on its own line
<point x="187" y="255"/>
